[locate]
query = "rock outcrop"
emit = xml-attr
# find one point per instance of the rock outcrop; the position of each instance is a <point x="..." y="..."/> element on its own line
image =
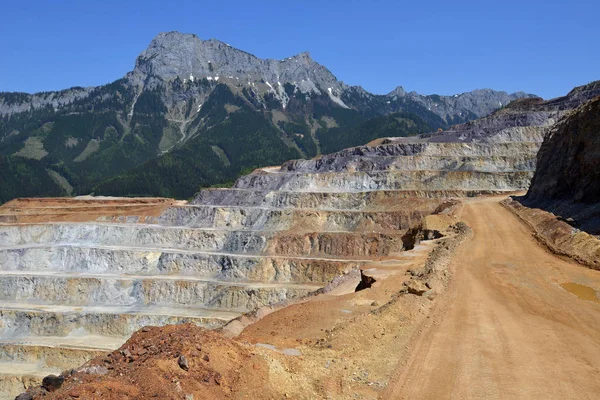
<point x="567" y="178"/>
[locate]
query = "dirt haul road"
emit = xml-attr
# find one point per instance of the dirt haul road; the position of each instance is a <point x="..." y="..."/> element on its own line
<point x="506" y="329"/>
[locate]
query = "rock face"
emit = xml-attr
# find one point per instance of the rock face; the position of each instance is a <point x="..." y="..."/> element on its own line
<point x="567" y="179"/>
<point x="173" y="55"/>
<point x="569" y="159"/>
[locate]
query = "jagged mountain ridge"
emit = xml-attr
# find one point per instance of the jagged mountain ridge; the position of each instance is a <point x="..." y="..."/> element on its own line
<point x="523" y="119"/>
<point x="174" y="55"/>
<point x="179" y="114"/>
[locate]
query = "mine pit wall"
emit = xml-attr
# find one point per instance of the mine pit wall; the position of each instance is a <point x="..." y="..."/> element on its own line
<point x="351" y="245"/>
<point x="274" y="237"/>
<point x="67" y="259"/>
<point x="25" y="323"/>
<point x="279" y="219"/>
<point x="567" y="179"/>
<point x="383" y="200"/>
<point x="49" y="357"/>
<point x="393" y="180"/>
<point x="92" y="291"/>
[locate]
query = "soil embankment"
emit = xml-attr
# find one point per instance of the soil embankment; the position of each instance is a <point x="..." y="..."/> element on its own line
<point x="557" y="235"/>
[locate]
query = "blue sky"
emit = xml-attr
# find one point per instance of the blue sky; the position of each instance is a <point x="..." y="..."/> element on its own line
<point x="444" y="47"/>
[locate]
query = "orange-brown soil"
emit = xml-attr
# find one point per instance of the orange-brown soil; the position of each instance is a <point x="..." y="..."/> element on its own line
<point x="507" y="327"/>
<point x="81" y="209"/>
<point x="147" y="367"/>
<point x="556" y="234"/>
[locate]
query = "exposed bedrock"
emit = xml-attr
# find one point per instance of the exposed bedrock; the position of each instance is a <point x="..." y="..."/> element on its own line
<point x="494" y="163"/>
<point x="385" y="200"/>
<point x="229" y="267"/>
<point x="26" y="321"/>
<point x="357" y="245"/>
<point x="99" y="290"/>
<point x="567" y="180"/>
<point x="250" y="242"/>
<point x="425" y="156"/>
<point x="283" y="219"/>
<point x="408" y="147"/>
<point x="49" y="357"/>
<point x="135" y="236"/>
<point x="394" y="180"/>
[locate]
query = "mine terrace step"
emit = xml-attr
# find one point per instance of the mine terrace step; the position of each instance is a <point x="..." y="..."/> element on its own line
<point x="522" y="161"/>
<point x="172" y="278"/>
<point x="82" y="342"/>
<point x="138" y="310"/>
<point x="57" y="352"/>
<point x="130" y="225"/>
<point x="158" y="227"/>
<point x="127" y="292"/>
<point x="401" y="215"/>
<point x="67" y="207"/>
<point x="389" y="180"/>
<point x="149" y="261"/>
<point x="292" y="209"/>
<point x="178" y="251"/>
<point x="324" y="200"/>
<point x="16" y="377"/>
<point x="406" y="149"/>
<point x="18" y="370"/>
<point x="25" y="319"/>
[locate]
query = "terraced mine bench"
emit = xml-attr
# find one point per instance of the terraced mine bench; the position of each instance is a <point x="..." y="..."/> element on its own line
<point x="72" y="288"/>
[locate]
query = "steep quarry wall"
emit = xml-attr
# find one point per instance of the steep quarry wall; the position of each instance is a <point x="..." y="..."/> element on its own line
<point x="567" y="180"/>
<point x="569" y="159"/>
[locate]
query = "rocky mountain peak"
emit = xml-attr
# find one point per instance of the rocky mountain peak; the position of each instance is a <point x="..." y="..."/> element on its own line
<point x="398" y="91"/>
<point x="173" y="55"/>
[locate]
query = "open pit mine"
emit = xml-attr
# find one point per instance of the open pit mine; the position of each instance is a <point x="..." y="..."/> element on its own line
<point x="79" y="276"/>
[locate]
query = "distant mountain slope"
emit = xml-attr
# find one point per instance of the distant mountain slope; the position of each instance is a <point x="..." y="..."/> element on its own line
<point x="199" y="112"/>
